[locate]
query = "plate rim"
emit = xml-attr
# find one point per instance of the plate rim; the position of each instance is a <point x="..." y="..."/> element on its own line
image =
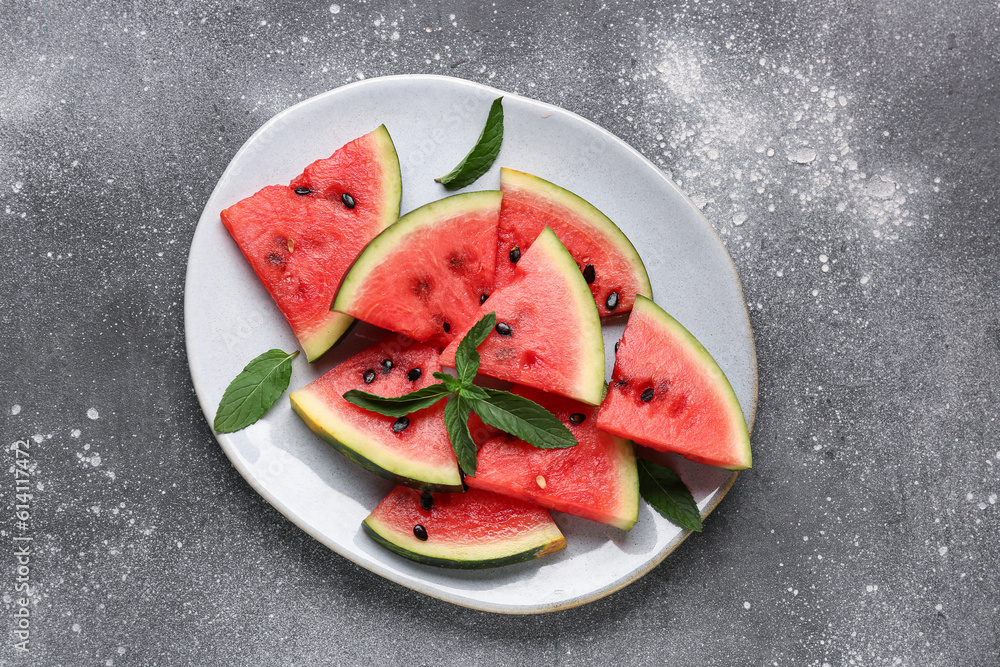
<point x="373" y="566"/>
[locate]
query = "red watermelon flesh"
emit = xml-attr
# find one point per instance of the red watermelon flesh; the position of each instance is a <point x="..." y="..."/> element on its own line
<point x="301" y="238"/>
<point x="608" y="260"/>
<point x="596" y="479"/>
<point x="668" y="393"/>
<point x="418" y="454"/>
<point x="552" y="334"/>
<point x="425" y="276"/>
<point x="476" y="529"/>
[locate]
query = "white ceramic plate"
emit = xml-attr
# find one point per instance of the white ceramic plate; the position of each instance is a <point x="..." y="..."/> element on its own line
<point x="230" y="318"/>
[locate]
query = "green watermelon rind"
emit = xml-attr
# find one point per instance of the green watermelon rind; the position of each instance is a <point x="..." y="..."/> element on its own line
<point x="590" y="387"/>
<point x="392" y="179"/>
<point x="584" y="212"/>
<point x="339" y="324"/>
<point x="647" y="308"/>
<point x="542" y="541"/>
<point x="367" y="452"/>
<point x="394" y="237"/>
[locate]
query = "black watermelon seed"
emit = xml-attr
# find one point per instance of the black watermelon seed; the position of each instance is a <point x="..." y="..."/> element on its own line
<point x="617" y="343"/>
<point x="348" y="200"/>
<point x="647" y="395"/>
<point x="577" y="418"/>
<point x="414" y="374"/>
<point x="420" y="533"/>
<point x="589" y="274"/>
<point x="447" y="327"/>
<point x="482" y="298"/>
<point x="612" y="301"/>
<point x="622" y="383"/>
<point x="400" y="424"/>
<point x="386" y="365"/>
<point x="504" y="329"/>
<point x="515" y="254"/>
<point x="369" y="376"/>
<point x="302" y="191"/>
<point x="426" y="501"/>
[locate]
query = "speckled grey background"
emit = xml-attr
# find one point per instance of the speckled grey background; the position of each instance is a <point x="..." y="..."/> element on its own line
<point x="847" y="153"/>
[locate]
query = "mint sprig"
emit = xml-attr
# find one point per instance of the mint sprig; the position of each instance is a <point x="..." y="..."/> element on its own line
<point x="524" y="419"/>
<point x="399" y="406"/>
<point x="456" y="421"/>
<point x="519" y="416"/>
<point x="254" y="390"/>
<point x="481" y="157"/>
<point x="662" y="488"/>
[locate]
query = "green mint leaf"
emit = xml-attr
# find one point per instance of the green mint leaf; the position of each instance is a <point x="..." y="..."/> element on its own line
<point x="473" y="393"/>
<point x="466" y="356"/>
<point x="399" y="406"/>
<point x="663" y="489"/>
<point x="524" y="419"/>
<point x="254" y="390"/>
<point x="451" y="382"/>
<point x="481" y="157"/>
<point x="456" y="420"/>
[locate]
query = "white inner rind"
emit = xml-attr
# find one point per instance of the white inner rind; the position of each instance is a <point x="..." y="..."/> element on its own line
<point x="499" y="548"/>
<point x="330" y="424"/>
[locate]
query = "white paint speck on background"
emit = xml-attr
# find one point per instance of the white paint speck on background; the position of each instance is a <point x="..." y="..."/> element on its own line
<point x="746" y="605"/>
<point x="75" y="433"/>
<point x="15" y="409"/>
<point x="334" y="9"/>
<point x="93" y="413"/>
<point x="943" y="550"/>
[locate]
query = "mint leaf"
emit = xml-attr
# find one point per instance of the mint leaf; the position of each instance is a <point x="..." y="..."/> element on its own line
<point x="466" y="356"/>
<point x="456" y="420"/>
<point x="524" y="419"/>
<point x="481" y="157"/>
<point x="663" y="489"/>
<point x="399" y="406"/>
<point x="450" y="381"/>
<point x="473" y="393"/>
<point x="254" y="390"/>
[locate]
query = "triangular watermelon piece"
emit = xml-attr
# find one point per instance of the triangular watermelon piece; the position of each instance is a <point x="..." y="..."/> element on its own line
<point x="668" y="393"/>
<point x="597" y="479"/>
<point x="472" y="530"/>
<point x="412" y="450"/>
<point x="548" y="333"/>
<point x="426" y="275"/>
<point x="605" y="256"/>
<point x="301" y="238"/>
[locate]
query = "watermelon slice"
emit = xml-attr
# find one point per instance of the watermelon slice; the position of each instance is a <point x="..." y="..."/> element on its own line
<point x="548" y="333"/>
<point x="668" y="393"/>
<point x="472" y="530"/>
<point x="597" y="479"/>
<point x="603" y="253"/>
<point x="412" y="450"/>
<point x="426" y="275"/>
<point x="301" y="238"/>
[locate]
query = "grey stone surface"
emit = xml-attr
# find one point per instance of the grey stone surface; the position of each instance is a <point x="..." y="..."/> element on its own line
<point x="846" y="152"/>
